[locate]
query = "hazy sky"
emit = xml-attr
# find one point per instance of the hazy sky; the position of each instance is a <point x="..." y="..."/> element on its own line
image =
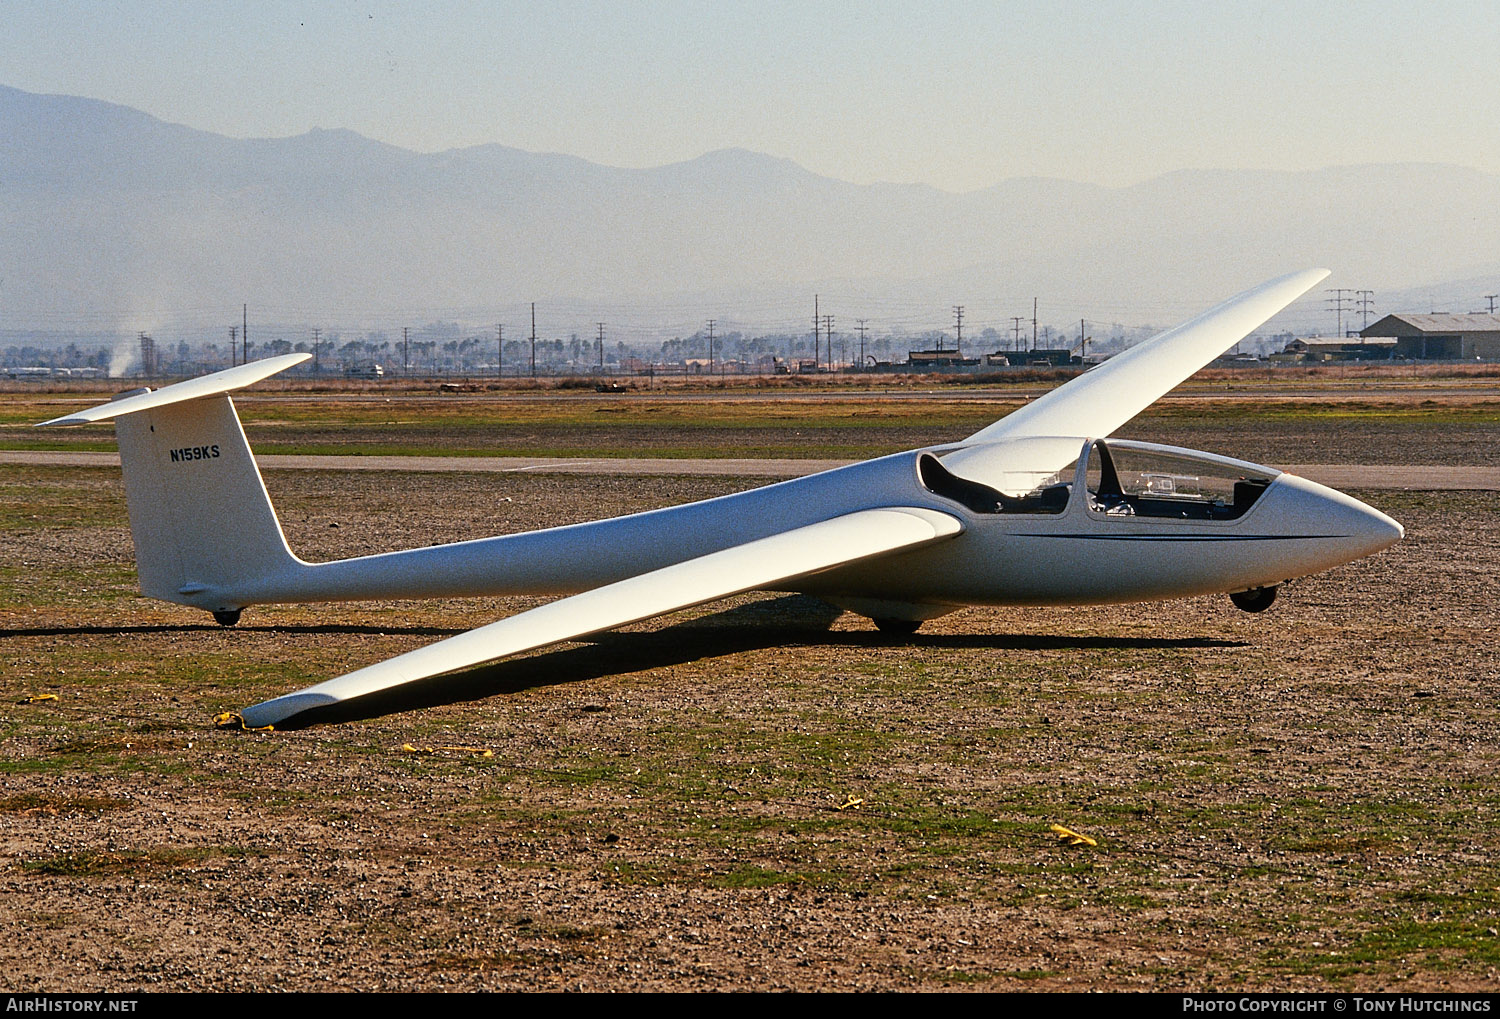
<point x="957" y="95"/>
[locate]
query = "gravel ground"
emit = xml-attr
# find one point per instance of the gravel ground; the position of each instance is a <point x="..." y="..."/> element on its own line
<point x="1299" y="800"/>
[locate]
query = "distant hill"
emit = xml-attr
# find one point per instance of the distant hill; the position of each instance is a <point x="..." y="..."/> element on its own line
<point x="110" y="216"/>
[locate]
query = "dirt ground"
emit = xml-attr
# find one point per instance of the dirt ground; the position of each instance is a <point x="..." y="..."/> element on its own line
<point x="763" y="794"/>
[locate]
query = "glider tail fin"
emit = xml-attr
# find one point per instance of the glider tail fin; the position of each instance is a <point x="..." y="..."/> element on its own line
<point x="200" y="517"/>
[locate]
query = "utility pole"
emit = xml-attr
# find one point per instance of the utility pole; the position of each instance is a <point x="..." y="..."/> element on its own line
<point x="1033" y="323"/>
<point x="958" y="315"/>
<point x="405" y="351"/>
<point x="601" y="346"/>
<point x="245" y="331"/>
<point x="710" y="346"/>
<point x="1016" y="321"/>
<point x="234" y="343"/>
<point x="1367" y="300"/>
<point x="1490" y="298"/>
<point x="861" y="344"/>
<point x="816" y="342"/>
<point x="1337" y="300"/>
<point x="317" y="335"/>
<point x="828" y="328"/>
<point x="499" y="350"/>
<point x="533" y="339"/>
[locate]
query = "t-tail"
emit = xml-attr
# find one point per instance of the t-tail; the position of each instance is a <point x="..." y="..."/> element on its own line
<point x="200" y="517"/>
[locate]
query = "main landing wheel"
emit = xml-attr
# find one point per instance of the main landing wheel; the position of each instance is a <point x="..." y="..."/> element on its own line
<point x="1257" y="599"/>
<point x="227" y="617"/>
<point x="898" y="627"/>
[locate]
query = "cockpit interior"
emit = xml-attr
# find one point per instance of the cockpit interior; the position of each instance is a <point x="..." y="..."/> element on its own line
<point x="1121" y="479"/>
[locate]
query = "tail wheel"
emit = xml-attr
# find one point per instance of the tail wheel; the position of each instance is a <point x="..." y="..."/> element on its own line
<point x="227" y="617"/>
<point x="1257" y="599"/>
<point x="898" y="627"/>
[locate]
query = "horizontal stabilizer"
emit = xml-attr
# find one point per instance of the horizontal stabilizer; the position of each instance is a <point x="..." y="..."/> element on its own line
<point x="753" y="565"/>
<point x="225" y="381"/>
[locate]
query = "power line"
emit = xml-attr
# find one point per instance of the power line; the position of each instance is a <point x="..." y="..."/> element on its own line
<point x="816" y="343"/>
<point x="1337" y="300"/>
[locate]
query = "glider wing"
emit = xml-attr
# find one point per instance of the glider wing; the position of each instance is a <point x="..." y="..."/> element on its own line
<point x="1106" y="397"/>
<point x="772" y="560"/>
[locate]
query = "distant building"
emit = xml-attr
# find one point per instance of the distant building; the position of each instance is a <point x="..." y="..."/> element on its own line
<point x="1439" y="337"/>
<point x="939" y="358"/>
<point x="1057" y="357"/>
<point x="1324" y="348"/>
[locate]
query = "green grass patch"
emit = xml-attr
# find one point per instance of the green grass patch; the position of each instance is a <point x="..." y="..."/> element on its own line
<point x="56" y="804"/>
<point x="100" y="863"/>
<point x="1442" y="945"/>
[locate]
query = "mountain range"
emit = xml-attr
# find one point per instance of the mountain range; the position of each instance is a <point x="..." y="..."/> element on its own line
<point x="111" y="218"/>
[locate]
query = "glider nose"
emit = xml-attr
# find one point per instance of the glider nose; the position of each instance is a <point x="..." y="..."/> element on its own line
<point x="1345" y="528"/>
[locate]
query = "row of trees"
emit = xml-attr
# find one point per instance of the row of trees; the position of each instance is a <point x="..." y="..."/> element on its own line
<point x="444" y="347"/>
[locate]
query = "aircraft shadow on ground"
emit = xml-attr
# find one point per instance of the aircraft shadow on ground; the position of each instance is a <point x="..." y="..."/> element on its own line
<point x="790" y="620"/>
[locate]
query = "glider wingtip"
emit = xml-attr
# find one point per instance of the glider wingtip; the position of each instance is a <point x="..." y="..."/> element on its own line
<point x="1287" y="288"/>
<point x="1305" y="277"/>
<point x="279" y="709"/>
<point x="1311" y="277"/>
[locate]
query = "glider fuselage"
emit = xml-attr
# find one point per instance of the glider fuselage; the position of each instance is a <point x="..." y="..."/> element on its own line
<point x="1071" y="550"/>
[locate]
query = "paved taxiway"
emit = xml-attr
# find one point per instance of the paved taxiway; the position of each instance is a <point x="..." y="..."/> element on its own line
<point x="1366" y="476"/>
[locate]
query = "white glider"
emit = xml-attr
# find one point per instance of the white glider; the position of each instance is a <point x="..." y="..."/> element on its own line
<point x="1041" y="507"/>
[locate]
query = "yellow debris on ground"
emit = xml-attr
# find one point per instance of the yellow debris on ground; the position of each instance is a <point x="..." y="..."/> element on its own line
<point x="1071" y="837"/>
